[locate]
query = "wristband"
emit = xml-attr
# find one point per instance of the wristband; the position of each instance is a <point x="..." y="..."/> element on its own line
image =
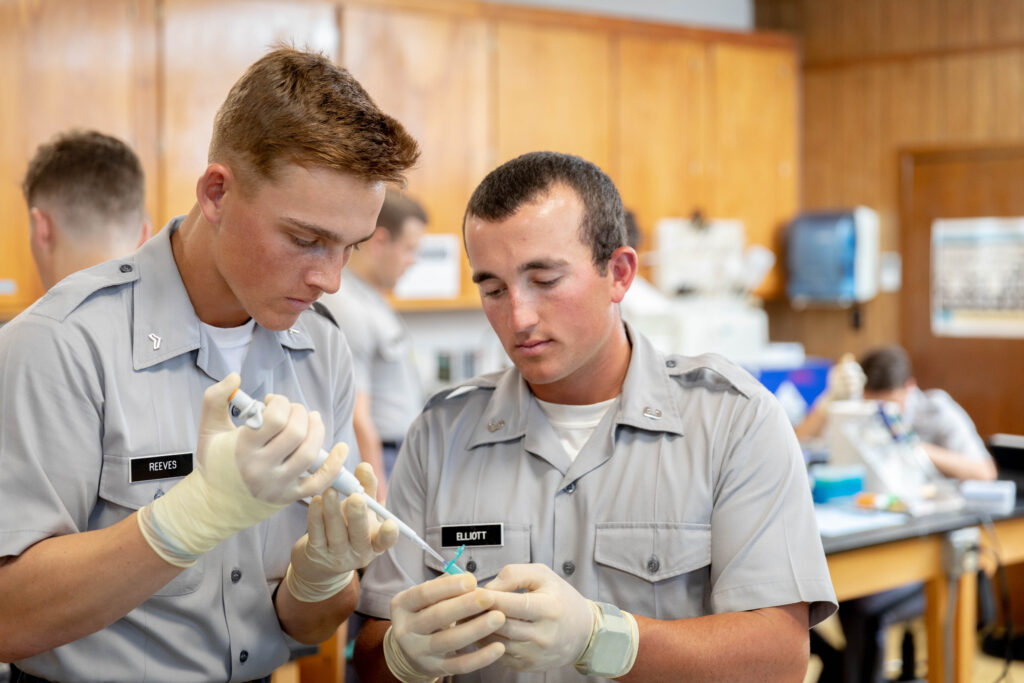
<point x="309" y="591"/>
<point x="613" y="645"/>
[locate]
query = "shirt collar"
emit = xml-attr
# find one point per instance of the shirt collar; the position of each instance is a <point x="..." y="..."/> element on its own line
<point x="166" y="326"/>
<point x="646" y="400"/>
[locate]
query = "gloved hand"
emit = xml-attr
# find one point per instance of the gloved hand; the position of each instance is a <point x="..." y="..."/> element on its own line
<point x="845" y="380"/>
<point x="431" y="622"/>
<point x="340" y="538"/>
<point x="547" y="626"/>
<point x="242" y="476"/>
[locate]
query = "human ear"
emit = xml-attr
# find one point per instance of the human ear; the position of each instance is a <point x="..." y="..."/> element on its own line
<point x="210" y="190"/>
<point x="41" y="229"/>
<point x="623" y="266"/>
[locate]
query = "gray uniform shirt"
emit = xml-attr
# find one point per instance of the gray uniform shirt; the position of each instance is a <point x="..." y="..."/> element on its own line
<point x="690" y="498"/>
<point x="940" y="420"/>
<point x="111" y="366"/>
<point x="382" y="354"/>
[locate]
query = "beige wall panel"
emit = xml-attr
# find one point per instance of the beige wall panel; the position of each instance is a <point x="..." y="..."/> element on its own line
<point x="68" y="65"/>
<point x="207" y="47"/>
<point x="429" y="70"/>
<point x="662" y="110"/>
<point x="552" y="91"/>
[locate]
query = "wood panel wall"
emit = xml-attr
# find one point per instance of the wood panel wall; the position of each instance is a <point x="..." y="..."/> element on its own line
<point x="680" y="118"/>
<point x="880" y="76"/>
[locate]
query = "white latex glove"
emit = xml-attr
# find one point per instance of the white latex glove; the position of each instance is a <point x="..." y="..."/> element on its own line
<point x="548" y="625"/>
<point x="432" y="622"/>
<point x="340" y="538"/>
<point x="242" y="476"/>
<point x="845" y="380"/>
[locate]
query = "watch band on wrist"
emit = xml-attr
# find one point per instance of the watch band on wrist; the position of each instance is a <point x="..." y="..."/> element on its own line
<point x="613" y="644"/>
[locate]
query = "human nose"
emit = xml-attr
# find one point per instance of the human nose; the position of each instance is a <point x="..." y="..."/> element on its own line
<point x="327" y="277"/>
<point x="523" y="312"/>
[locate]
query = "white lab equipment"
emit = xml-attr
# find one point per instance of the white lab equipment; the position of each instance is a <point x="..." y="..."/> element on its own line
<point x="704" y="275"/>
<point x="832" y="257"/>
<point x="250" y="411"/>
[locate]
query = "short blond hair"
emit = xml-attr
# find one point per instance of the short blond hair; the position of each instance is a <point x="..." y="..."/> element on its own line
<point x="298" y="107"/>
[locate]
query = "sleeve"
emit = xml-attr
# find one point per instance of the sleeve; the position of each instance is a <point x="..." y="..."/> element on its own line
<point x="51" y="406"/>
<point x="951" y="427"/>
<point x="403" y="565"/>
<point x="765" y="546"/>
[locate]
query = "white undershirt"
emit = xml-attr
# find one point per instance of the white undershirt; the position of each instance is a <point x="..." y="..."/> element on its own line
<point x="575" y="424"/>
<point x="232" y="342"/>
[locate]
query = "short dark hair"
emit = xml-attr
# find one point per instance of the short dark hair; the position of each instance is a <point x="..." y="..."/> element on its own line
<point x="93" y="180"/>
<point x="397" y="209"/>
<point x="527" y="177"/>
<point x="886" y="368"/>
<point x="299" y="107"/>
<point x="633" y="236"/>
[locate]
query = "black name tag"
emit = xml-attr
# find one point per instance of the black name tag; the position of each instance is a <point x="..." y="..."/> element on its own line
<point x="160" y="467"/>
<point x="471" y="534"/>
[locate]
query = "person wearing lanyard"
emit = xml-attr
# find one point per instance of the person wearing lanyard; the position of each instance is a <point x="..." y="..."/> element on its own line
<point x="143" y="535"/>
<point x="624" y="512"/>
<point x="389" y="394"/>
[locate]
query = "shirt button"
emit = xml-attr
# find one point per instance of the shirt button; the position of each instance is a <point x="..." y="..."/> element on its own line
<point x="568" y="568"/>
<point x="236" y="575"/>
<point x="125" y="268"/>
<point x="670" y="363"/>
<point x="571" y="488"/>
<point x="235" y="412"/>
<point x="471" y="566"/>
<point x="653" y="564"/>
<point x="243" y="655"/>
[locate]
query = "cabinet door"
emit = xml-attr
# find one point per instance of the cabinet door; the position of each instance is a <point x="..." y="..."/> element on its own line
<point x="67" y="65"/>
<point x="661" y="113"/>
<point x="754" y="167"/>
<point x="552" y="91"/>
<point x="429" y="70"/>
<point x="207" y="47"/>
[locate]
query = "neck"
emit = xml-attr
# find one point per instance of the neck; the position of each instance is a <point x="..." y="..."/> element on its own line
<point x="599" y="379"/>
<point x="212" y="299"/>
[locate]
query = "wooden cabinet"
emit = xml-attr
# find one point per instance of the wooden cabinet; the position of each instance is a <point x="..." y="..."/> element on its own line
<point x="428" y="69"/>
<point x="66" y="65"/>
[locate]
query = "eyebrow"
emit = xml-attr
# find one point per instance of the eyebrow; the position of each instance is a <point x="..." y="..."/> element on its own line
<point x="541" y="264"/>
<point x="321" y="232"/>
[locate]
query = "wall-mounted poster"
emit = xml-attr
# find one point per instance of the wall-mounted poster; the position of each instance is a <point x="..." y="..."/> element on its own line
<point x="977" y="278"/>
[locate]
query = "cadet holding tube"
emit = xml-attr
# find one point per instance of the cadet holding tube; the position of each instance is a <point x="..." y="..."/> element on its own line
<point x="627" y="513"/>
<point x="143" y="535"/>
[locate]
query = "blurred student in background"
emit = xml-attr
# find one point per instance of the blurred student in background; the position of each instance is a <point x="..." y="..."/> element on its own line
<point x="86" y="203"/>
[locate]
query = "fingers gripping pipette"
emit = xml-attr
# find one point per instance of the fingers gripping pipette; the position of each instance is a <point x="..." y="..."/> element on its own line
<point x="251" y="412"/>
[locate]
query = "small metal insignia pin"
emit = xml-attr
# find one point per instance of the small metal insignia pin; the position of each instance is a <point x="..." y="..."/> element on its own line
<point x="495" y="425"/>
<point x="156" y="341"/>
<point x="652" y="413"/>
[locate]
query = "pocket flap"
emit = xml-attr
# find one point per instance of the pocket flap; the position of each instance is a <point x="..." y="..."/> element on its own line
<point x="484" y="562"/>
<point x="653" y="551"/>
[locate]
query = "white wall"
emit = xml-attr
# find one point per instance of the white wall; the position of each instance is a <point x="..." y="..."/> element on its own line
<point x="732" y="15"/>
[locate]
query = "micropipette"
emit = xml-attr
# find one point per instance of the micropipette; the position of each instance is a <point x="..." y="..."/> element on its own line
<point x="250" y="411"/>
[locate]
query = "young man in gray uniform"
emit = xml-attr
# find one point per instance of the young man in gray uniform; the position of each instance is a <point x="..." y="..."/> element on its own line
<point x="143" y="536"/>
<point x="86" y="197"/>
<point x="626" y="512"/>
<point x="389" y="395"/>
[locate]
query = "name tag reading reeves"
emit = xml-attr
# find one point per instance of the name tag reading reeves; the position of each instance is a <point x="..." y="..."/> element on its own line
<point x="471" y="535"/>
<point x="153" y="467"/>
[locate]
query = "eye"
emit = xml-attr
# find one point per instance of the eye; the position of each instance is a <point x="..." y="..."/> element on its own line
<point x="492" y="292"/>
<point x="305" y="244"/>
<point x="547" y="283"/>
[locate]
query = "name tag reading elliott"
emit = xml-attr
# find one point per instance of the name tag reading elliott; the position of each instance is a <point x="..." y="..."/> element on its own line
<point x="150" y="467"/>
<point x="471" y="535"/>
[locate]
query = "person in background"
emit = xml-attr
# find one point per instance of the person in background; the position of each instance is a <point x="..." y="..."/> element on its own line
<point x="949" y="438"/>
<point x="86" y="203"/>
<point x="946" y="431"/>
<point x="388" y="390"/>
<point x="626" y="512"/>
<point x="143" y="535"/>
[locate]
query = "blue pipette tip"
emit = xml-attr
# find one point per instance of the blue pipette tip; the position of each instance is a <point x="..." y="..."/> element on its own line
<point x="451" y="567"/>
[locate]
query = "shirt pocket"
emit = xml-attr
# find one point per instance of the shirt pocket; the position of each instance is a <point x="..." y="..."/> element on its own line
<point x="120" y="498"/>
<point x="484" y="562"/>
<point x="656" y="569"/>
